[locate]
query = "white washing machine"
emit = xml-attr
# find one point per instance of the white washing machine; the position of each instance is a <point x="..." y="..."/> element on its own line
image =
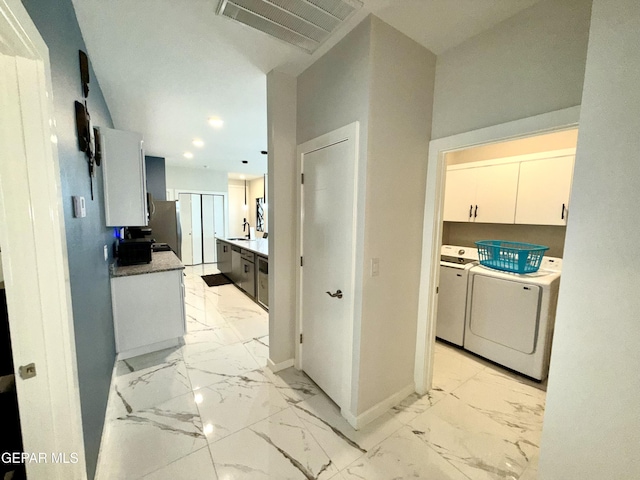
<point x="510" y="317"/>
<point x="455" y="263"/>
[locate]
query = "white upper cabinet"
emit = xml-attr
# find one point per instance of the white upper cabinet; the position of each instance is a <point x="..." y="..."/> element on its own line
<point x="496" y="193"/>
<point x="123" y="168"/>
<point x="460" y="195"/>
<point x="530" y="189"/>
<point x="543" y="191"/>
<point x="482" y="194"/>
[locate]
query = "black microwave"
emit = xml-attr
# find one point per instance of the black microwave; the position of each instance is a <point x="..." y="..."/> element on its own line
<point x="134" y="251"/>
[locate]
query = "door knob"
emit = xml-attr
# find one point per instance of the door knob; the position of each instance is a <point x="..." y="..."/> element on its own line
<point x="337" y="294"/>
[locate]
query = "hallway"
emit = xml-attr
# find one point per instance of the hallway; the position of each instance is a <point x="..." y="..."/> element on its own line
<point x="211" y="409"/>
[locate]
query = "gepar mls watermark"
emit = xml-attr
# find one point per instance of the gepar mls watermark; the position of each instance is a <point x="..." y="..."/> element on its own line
<point x="18" y="458"/>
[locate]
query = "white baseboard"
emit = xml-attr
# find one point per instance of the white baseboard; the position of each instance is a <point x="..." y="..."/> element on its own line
<point x="276" y="367"/>
<point x="154" y="347"/>
<point x="378" y="409"/>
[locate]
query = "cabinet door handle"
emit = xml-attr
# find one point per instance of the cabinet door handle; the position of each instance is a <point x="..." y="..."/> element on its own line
<point x="475" y="214"/>
<point x="470" y="210"/>
<point x="563" y="209"/>
<point x="246" y="269"/>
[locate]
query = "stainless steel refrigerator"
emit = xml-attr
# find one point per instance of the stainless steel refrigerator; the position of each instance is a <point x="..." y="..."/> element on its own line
<point x="164" y="222"/>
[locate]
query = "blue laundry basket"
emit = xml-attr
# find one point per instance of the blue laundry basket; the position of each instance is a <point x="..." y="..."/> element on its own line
<point x="513" y="257"/>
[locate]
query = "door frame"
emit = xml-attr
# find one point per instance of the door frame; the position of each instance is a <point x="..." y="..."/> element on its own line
<point x="349" y="133"/>
<point x="35" y="237"/>
<point x="558" y="120"/>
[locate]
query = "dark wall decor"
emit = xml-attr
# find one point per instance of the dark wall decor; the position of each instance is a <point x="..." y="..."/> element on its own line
<point x="88" y="137"/>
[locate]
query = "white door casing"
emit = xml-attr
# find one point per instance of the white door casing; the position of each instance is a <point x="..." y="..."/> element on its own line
<point x="328" y="219"/>
<point x="196" y="228"/>
<point x="34" y="257"/>
<point x="186" y="227"/>
<point x="433" y="216"/>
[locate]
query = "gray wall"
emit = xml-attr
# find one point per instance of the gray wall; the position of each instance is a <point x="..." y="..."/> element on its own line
<point x="156" y="180"/>
<point x="332" y="93"/>
<point x="398" y="141"/>
<point x="281" y="191"/>
<point x="365" y="78"/>
<point x="89" y="275"/>
<point x="529" y="64"/>
<point x="466" y="234"/>
<point x="592" y="418"/>
<point x="197" y="179"/>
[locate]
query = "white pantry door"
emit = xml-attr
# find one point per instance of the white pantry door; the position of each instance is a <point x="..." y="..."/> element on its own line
<point x="328" y="229"/>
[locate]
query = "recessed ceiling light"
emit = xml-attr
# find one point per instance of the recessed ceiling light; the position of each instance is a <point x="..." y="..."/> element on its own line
<point x="198" y="143"/>
<point x="187" y="155"/>
<point x="215" y="122"/>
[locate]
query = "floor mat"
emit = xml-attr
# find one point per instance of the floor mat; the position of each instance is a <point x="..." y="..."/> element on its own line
<point x="216" y="280"/>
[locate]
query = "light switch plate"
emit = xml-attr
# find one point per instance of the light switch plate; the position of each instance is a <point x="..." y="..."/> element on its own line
<point x="375" y="267"/>
<point x="106" y="253"/>
<point x="79" y="207"/>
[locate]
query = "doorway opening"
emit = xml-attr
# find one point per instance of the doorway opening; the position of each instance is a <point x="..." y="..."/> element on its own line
<point x="516" y="191"/>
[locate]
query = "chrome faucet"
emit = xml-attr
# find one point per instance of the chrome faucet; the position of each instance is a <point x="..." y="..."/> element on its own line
<point x="248" y="227"/>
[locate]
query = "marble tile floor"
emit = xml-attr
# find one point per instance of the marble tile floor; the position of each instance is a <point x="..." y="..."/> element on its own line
<point x="210" y="409"/>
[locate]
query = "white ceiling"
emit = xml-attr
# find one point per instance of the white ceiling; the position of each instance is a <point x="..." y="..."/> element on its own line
<point x="166" y="66"/>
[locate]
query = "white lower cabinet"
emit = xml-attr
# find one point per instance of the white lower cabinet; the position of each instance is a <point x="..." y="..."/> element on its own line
<point x="148" y="311"/>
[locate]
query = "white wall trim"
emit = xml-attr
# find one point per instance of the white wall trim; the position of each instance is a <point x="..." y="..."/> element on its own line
<point x="378" y="409"/>
<point x="529" y="157"/>
<point x="432" y="229"/>
<point x="350" y="133"/>
<point x="34" y="251"/>
<point x="276" y="367"/>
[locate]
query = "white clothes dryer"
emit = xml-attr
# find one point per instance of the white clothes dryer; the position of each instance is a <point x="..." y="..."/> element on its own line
<point x="455" y="263"/>
<point x="510" y="317"/>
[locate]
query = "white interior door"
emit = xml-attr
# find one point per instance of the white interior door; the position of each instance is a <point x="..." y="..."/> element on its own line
<point x="34" y="250"/>
<point x="327" y="237"/>
<point x="196" y="229"/>
<point x="208" y="229"/>
<point x="218" y="216"/>
<point x="186" y="227"/>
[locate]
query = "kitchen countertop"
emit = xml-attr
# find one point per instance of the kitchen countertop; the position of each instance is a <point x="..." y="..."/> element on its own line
<point x="160" y="262"/>
<point x="259" y="245"/>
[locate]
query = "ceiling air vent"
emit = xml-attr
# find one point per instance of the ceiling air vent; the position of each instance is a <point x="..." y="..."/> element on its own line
<point x="303" y="23"/>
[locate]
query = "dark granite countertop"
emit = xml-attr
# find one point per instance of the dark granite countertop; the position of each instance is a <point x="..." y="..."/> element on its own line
<point x="160" y="262"/>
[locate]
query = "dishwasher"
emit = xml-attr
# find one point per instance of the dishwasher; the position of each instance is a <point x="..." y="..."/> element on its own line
<point x="263" y="282"/>
<point x="455" y="263"/>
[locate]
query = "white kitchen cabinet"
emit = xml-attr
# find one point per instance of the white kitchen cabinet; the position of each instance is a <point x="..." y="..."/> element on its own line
<point x="123" y="173"/>
<point x="544" y="188"/>
<point x="481" y="194"/>
<point x="460" y="195"/>
<point x="148" y="311"/>
<point x="496" y="192"/>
